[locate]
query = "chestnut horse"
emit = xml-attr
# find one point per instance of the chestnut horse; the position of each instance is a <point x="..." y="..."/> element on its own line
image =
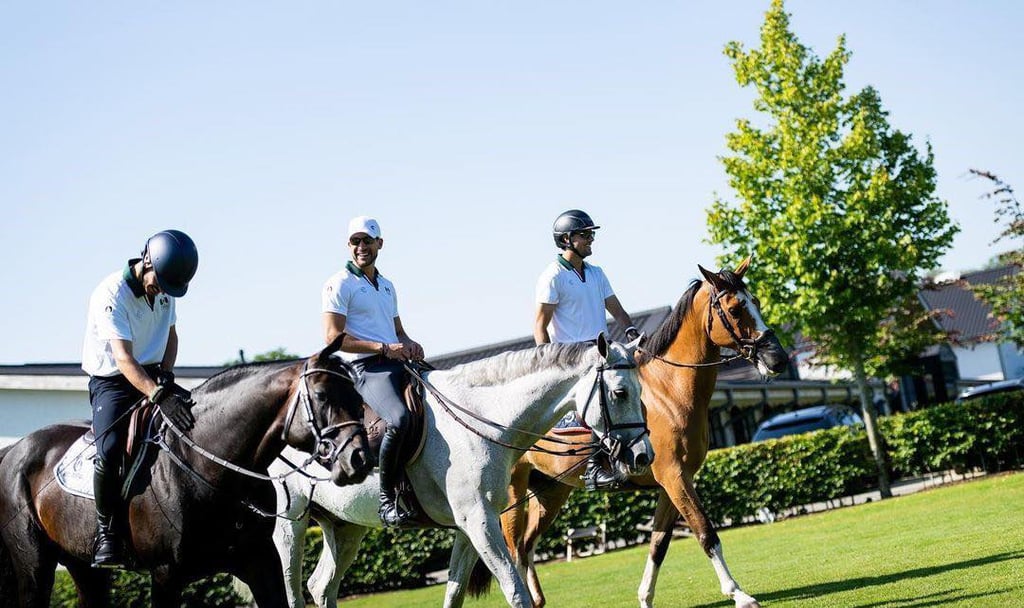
<point x="678" y="369"/>
<point x="204" y="511"/>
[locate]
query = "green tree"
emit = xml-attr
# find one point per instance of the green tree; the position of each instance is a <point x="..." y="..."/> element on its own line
<point x="277" y="354"/>
<point x="1006" y="296"/>
<point x="838" y="208"/>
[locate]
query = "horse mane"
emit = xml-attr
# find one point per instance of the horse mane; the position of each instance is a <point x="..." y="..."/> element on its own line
<point x="662" y="337"/>
<point x="232" y="375"/>
<point x="509" y="366"/>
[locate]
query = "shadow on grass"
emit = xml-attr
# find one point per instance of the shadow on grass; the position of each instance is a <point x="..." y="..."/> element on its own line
<point x="819" y="590"/>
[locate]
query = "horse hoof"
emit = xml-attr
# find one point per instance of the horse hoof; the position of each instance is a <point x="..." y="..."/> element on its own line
<point x="745" y="601"/>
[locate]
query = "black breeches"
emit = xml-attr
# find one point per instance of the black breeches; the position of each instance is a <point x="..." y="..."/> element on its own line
<point x="111" y="399"/>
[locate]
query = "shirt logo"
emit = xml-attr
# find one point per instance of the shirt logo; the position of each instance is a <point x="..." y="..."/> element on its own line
<point x="387" y="289"/>
<point x="108" y="309"/>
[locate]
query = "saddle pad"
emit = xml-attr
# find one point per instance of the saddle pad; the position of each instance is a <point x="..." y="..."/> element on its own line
<point x="570" y="424"/>
<point x="74" y="471"/>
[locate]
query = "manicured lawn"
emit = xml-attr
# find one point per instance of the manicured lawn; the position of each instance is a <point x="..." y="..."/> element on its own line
<point x="960" y="545"/>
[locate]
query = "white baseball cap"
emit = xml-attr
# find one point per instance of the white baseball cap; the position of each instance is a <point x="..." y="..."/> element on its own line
<point x="365" y="224"/>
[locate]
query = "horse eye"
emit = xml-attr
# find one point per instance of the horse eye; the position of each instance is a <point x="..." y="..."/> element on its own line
<point x="735" y="310"/>
<point x="320" y="395"/>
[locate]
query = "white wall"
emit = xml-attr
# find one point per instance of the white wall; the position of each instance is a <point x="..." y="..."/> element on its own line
<point x="979" y="362"/>
<point x="1013" y="360"/>
<point x="25" y="410"/>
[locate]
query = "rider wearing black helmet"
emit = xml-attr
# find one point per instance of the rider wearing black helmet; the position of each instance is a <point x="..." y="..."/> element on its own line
<point x="572" y="297"/>
<point x="129" y="353"/>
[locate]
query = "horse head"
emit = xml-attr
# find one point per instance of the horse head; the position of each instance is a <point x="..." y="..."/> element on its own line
<point x="734" y="320"/>
<point x="333" y="410"/>
<point x="608" y="401"/>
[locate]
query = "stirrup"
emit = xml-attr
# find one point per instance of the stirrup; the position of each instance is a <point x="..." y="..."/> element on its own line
<point x="108" y="553"/>
<point x="596" y="478"/>
<point x="393" y="516"/>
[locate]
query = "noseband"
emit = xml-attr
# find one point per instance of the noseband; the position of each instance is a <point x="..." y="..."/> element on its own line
<point x="327" y="448"/>
<point x="609" y="444"/>
<point x="746" y="347"/>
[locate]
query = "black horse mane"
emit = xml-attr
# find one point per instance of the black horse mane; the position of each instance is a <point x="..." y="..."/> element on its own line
<point x="232" y="375"/>
<point x="662" y="337"/>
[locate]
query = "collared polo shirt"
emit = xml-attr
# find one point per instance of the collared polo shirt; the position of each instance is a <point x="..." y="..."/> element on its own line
<point x="119" y="310"/>
<point x="369" y="310"/>
<point x="579" y="301"/>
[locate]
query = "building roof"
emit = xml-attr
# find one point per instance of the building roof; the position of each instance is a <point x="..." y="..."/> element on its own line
<point x="969" y="319"/>
<point x="646" y="322"/>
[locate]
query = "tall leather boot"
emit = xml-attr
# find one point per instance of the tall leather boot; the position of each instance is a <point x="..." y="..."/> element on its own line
<point x="597" y="477"/>
<point x="108" y="550"/>
<point x="390" y="512"/>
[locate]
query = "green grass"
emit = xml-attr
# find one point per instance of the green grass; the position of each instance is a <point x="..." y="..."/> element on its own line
<point x="960" y="545"/>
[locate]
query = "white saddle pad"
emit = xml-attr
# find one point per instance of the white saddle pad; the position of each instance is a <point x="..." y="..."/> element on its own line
<point x="74" y="471"/>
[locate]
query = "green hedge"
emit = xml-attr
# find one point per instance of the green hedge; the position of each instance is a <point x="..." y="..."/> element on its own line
<point x="734" y="484"/>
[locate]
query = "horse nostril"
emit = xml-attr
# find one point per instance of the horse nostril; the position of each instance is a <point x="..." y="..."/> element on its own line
<point x="358" y="459"/>
<point x="642" y="460"/>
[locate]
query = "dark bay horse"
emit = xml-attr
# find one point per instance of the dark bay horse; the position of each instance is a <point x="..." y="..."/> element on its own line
<point x="678" y="372"/>
<point x="197" y="517"/>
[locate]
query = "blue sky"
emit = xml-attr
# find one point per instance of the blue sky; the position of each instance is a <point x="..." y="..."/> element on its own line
<point x="464" y="127"/>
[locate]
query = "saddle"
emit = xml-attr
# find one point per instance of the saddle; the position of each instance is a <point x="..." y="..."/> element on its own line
<point x="74" y="471"/>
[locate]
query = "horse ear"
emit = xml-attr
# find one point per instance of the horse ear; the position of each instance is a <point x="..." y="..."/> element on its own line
<point x="742" y="268"/>
<point x="602" y="345"/>
<point x="712" y="278"/>
<point x="331" y="348"/>
<point x="632" y="346"/>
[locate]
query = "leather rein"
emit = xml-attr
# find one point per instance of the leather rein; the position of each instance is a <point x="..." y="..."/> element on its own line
<point x="606" y="442"/>
<point x="326" y="451"/>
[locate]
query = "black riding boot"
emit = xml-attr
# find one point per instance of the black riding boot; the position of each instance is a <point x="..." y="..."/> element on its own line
<point x="390" y="476"/>
<point x="597" y="477"/>
<point x="108" y="550"/>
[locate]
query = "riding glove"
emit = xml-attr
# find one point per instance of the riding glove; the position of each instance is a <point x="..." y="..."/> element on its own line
<point x="165" y="378"/>
<point x="177" y="410"/>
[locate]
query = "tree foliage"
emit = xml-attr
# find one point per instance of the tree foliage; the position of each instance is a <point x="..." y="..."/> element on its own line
<point x="837" y="206"/>
<point x="277" y="354"/>
<point x="1006" y="296"/>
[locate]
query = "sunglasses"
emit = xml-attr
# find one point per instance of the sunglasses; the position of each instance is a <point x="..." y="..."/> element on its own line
<point x="365" y="241"/>
<point x="587" y="235"/>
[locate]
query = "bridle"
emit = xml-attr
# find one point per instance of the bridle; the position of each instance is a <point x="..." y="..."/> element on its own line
<point x="326" y="448"/>
<point x="746" y="348"/>
<point x="606" y="442"/>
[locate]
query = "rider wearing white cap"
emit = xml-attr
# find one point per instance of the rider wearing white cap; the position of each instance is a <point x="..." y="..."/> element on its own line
<point x="572" y="297"/>
<point x="359" y="301"/>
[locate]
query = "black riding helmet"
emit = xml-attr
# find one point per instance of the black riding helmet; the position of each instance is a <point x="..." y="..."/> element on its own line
<point x="174" y="258"/>
<point x="571" y="221"/>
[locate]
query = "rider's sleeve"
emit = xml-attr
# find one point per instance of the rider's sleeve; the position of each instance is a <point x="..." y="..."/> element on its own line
<point x="111" y="320"/>
<point x="606" y="287"/>
<point x="547" y="289"/>
<point x="333" y="298"/>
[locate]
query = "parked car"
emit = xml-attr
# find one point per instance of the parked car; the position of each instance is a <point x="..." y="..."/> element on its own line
<point x="806" y="420"/>
<point x="1003" y="386"/>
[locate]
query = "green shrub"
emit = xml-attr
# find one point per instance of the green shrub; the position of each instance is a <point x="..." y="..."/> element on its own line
<point x="132" y="589"/>
<point x="734" y="484"/>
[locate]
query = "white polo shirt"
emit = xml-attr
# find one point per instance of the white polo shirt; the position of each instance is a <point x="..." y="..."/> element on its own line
<point x="579" y="303"/>
<point x="119" y="310"/>
<point x="369" y="311"/>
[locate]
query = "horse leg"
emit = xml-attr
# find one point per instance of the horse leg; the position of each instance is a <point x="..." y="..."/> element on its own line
<point x="513" y="520"/>
<point x="261" y="571"/>
<point x="483" y="529"/>
<point x="460" y="565"/>
<point x="547" y="503"/>
<point x="93" y="584"/>
<point x="33" y="563"/>
<point x="680" y="489"/>
<point x="341" y="544"/>
<point x="289" y="539"/>
<point x="166" y="588"/>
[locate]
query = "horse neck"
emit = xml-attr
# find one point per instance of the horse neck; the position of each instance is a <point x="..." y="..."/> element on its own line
<point x="691" y="344"/>
<point x="243" y="424"/>
<point x="532" y="403"/>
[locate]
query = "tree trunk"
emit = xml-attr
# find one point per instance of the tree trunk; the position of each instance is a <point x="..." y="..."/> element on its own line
<point x="867" y="409"/>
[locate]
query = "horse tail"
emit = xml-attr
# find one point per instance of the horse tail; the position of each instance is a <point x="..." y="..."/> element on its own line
<point x="479" y="580"/>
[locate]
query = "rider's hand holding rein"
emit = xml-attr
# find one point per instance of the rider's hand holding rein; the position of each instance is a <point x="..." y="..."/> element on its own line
<point x="174" y="407"/>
